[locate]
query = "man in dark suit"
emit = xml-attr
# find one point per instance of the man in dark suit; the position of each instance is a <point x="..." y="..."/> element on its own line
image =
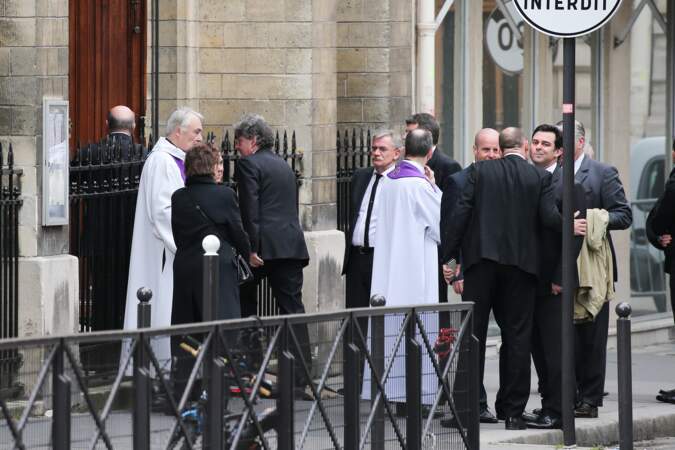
<point x="545" y="151"/>
<point x="485" y="147"/>
<point x="121" y="124"/>
<point x="267" y="199"/>
<point x="660" y="228"/>
<point x="443" y="167"/>
<point x="360" y="237"/>
<point x="603" y="190"/>
<point x="497" y="223"/>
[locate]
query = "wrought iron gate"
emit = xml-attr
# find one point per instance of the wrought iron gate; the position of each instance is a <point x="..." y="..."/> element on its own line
<point x="10" y="203"/>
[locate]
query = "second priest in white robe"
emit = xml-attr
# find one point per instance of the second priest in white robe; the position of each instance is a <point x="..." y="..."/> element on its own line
<point x="405" y="267"/>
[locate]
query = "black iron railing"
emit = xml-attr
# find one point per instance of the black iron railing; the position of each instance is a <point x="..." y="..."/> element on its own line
<point x="352" y="153"/>
<point x="238" y="404"/>
<point x="10" y="203"/>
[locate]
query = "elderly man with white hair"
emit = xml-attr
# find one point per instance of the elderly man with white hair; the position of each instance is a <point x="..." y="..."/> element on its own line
<point x="153" y="248"/>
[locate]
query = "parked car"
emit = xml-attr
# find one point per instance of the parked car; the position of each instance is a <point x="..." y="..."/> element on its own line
<point x="647" y="179"/>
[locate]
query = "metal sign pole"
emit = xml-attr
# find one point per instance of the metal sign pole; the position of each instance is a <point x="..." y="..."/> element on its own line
<point x="569" y="258"/>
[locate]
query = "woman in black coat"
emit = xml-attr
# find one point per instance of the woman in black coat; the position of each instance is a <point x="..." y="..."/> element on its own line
<point x="201" y="208"/>
<point x="219" y="216"/>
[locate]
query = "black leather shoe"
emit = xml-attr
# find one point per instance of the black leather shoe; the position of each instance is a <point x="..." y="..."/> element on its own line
<point x="669" y="393"/>
<point x="666" y="398"/>
<point x="487" y="417"/>
<point x="586" y="411"/>
<point x="531" y="417"/>
<point x="545" y="422"/>
<point x="515" y="423"/>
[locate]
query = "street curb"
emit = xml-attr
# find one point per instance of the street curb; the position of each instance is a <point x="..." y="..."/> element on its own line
<point x="589" y="433"/>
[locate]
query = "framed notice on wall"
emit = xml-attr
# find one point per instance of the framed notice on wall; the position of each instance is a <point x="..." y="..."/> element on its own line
<point x="55" y="162"/>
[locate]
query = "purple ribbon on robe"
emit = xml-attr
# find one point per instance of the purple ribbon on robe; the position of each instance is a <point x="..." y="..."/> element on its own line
<point x="181" y="166"/>
<point x="405" y="169"/>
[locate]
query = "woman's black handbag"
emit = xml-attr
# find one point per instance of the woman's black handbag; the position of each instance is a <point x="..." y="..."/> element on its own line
<point x="244" y="273"/>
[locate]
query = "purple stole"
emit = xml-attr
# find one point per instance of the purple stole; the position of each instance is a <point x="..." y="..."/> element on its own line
<point x="404" y="169"/>
<point x="181" y="166"/>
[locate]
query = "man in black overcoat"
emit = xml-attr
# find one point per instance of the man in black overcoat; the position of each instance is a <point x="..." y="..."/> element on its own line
<point x="660" y="228"/>
<point x="267" y="190"/>
<point x="497" y="224"/>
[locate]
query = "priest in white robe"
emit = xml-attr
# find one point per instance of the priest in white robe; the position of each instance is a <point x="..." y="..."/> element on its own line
<point x="153" y="248"/>
<point x="405" y="263"/>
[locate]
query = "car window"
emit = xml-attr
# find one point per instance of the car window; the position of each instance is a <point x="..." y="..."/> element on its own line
<point x="652" y="179"/>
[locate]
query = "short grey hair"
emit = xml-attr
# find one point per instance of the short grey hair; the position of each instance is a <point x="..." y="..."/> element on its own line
<point x="395" y="137"/>
<point x="254" y="126"/>
<point x="180" y="118"/>
<point x="579" y="130"/>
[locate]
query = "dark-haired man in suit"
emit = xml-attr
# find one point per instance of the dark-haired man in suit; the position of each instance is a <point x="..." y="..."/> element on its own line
<point x="497" y="223"/>
<point x="267" y="199"/>
<point x="545" y="151"/>
<point x="443" y="167"/>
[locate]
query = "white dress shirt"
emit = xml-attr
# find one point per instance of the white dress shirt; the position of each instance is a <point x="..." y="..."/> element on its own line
<point x="360" y="225"/>
<point x="577" y="163"/>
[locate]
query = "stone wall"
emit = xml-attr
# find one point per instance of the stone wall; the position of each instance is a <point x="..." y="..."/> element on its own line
<point x="33" y="65"/>
<point x="374" y="63"/>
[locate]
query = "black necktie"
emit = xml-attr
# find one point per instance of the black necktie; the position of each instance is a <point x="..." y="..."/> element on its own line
<point x="366" y="243"/>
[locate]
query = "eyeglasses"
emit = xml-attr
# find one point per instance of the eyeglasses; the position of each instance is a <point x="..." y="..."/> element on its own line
<point x="380" y="148"/>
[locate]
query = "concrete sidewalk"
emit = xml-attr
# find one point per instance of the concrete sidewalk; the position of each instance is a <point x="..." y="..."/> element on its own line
<point x="653" y="369"/>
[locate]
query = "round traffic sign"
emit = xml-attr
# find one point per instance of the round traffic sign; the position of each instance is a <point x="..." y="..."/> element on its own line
<point x="504" y="47"/>
<point x="566" y="18"/>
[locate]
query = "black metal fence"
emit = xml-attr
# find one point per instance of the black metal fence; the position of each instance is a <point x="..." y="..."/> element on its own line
<point x="240" y="405"/>
<point x="104" y="180"/>
<point x="352" y="153"/>
<point x="10" y="203"/>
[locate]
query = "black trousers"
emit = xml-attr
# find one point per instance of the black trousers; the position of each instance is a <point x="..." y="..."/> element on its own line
<point x="285" y="278"/>
<point x="509" y="292"/>
<point x="546" y="336"/>
<point x="591" y="357"/>
<point x="672" y="293"/>
<point x="358" y="278"/>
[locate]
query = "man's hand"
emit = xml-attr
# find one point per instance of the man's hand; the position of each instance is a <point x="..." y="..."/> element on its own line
<point x="448" y="274"/>
<point x="579" y="226"/>
<point x="555" y="289"/>
<point x="458" y="287"/>
<point x="429" y="174"/>
<point x="255" y="261"/>
<point x="665" y="240"/>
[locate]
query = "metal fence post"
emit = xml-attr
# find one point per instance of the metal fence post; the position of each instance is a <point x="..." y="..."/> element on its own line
<point x="624" y="369"/>
<point x="213" y="366"/>
<point x="352" y="387"/>
<point x="413" y="387"/>
<point x="61" y="411"/>
<point x="141" y="412"/>
<point x="473" y="430"/>
<point x="377" y="350"/>
<point x="286" y="402"/>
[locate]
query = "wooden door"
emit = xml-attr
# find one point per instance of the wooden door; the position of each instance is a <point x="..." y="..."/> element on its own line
<point x="107" y="53"/>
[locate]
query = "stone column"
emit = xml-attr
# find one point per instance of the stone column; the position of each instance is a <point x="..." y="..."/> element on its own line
<point x="468" y="65"/>
<point x="617" y="131"/>
<point x="34" y="65"/>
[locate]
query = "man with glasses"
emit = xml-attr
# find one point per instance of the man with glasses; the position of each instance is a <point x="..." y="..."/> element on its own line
<point x="360" y="237"/>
